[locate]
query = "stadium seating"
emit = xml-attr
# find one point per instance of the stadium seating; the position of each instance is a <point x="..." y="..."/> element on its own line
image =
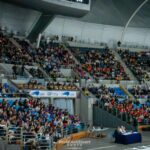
<point x="12" y="54"/>
<point x="36" y="122"/>
<point x="60" y="86"/>
<point x="119" y="105"/>
<point x="138" y="62"/>
<point x="101" y="64"/>
<point x="66" y="74"/>
<point x="140" y="92"/>
<point x="50" y="56"/>
<point x="6" y="89"/>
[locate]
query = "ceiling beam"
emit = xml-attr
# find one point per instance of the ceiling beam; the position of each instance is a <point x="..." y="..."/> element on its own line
<point x="130" y="19"/>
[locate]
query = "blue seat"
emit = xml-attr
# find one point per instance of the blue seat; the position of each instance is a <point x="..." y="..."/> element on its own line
<point x="12" y="90"/>
<point x="10" y="103"/>
<point x="5" y="85"/>
<point x="118" y="91"/>
<point x="134" y="106"/>
<point x="1" y="100"/>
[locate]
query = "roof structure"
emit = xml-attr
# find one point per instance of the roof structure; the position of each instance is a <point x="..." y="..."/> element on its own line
<point x="118" y="12"/>
<point x="110" y="12"/>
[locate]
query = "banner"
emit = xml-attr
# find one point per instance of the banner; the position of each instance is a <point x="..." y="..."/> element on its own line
<point x="54" y="94"/>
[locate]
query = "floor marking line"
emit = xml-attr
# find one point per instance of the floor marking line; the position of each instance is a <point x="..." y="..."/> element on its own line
<point x="97" y="148"/>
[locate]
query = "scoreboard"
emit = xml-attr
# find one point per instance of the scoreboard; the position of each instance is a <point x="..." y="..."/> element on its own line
<point x="80" y="1"/>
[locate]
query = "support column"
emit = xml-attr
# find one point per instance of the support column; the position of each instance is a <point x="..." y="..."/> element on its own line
<point x="40" y="26"/>
<point x="39" y="40"/>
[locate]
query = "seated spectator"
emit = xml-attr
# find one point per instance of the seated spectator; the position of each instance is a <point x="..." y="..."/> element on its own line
<point x="36" y="119"/>
<point x="32" y="84"/>
<point x="97" y="64"/>
<point x="138" y="62"/>
<point x="140" y="92"/>
<point x="51" y="56"/>
<point x="60" y="86"/>
<point x="125" y="107"/>
<point x="36" y="73"/>
<point x="12" y="54"/>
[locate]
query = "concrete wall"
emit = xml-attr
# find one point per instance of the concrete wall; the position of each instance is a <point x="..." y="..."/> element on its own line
<point x="17" y="19"/>
<point x="90" y="32"/>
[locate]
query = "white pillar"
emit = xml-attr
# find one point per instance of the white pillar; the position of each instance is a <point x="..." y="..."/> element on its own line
<point x="38" y="41"/>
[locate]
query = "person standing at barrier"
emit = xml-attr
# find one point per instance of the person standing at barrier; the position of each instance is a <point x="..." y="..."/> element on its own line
<point x="135" y="124"/>
<point x="116" y="133"/>
<point x="14" y="69"/>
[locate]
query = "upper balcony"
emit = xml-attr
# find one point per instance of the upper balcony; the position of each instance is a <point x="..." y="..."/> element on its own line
<point x="72" y="8"/>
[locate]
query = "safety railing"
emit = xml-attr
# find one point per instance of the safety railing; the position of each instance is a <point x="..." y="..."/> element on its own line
<point x="31" y="140"/>
<point x="124" y="116"/>
<point x="11" y="134"/>
<point x="3" y="132"/>
<point x="13" y="95"/>
<point x="32" y="63"/>
<point x="45" y="143"/>
<point x="14" y="135"/>
<point x="28" y="140"/>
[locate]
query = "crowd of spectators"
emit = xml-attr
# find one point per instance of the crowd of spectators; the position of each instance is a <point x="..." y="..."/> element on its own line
<point x="82" y="73"/>
<point x="50" y="56"/>
<point x="139" y="91"/>
<point x="6" y="89"/>
<point x="37" y="119"/>
<point x="18" y="70"/>
<point x="3" y="89"/>
<point x="100" y="64"/>
<point x="61" y="86"/>
<point x="129" y="110"/>
<point x="102" y="90"/>
<point x="55" y="73"/>
<point x="39" y="56"/>
<point x="32" y="84"/>
<point x="12" y="54"/>
<point x="138" y="62"/>
<point x="36" y="73"/>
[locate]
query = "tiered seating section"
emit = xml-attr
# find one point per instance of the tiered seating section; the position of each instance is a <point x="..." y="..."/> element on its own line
<point x="36" y="72"/>
<point x="140" y="92"/>
<point x="6" y="89"/>
<point x="11" y="54"/>
<point x="111" y="92"/>
<point x="37" y="121"/>
<point x="45" y="121"/>
<point x="138" y="62"/>
<point x="61" y="86"/>
<point x="128" y="110"/>
<point x="50" y="56"/>
<point x="101" y="64"/>
<point x="32" y="84"/>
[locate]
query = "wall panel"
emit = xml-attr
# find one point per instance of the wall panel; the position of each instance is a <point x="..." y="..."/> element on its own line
<point x="90" y="32"/>
<point x="17" y="19"/>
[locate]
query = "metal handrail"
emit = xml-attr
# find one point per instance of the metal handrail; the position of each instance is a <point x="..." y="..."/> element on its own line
<point x="26" y="139"/>
<point x="123" y="116"/>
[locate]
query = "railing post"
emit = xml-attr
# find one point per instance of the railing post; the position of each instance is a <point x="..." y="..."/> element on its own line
<point x="21" y="140"/>
<point x="7" y="135"/>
